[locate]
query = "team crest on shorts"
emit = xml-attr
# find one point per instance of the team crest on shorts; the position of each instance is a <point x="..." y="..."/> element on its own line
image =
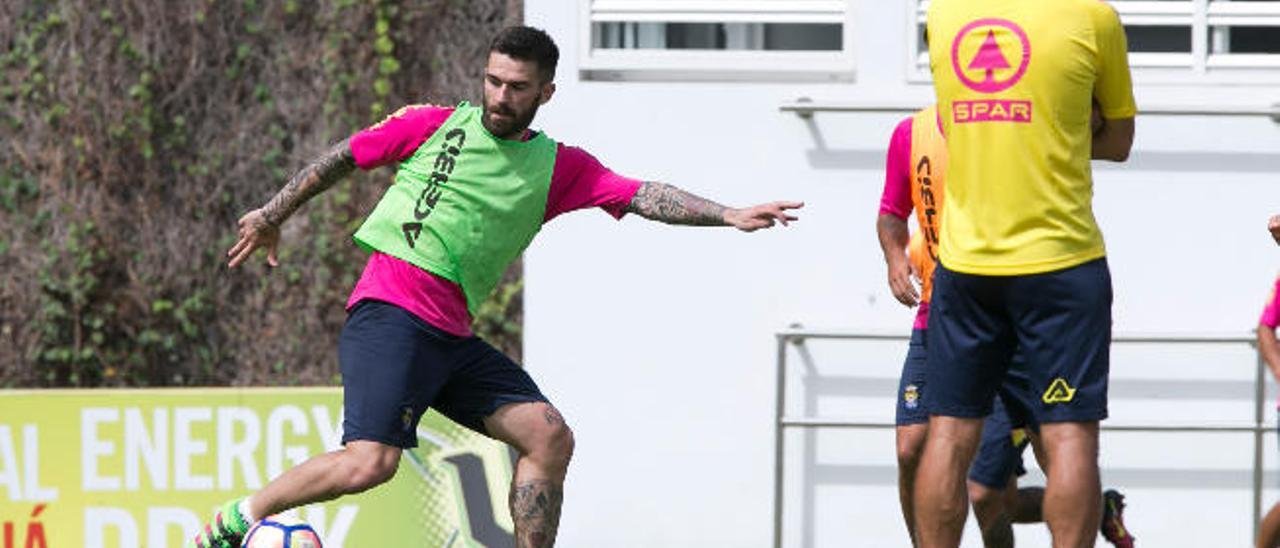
<point x="1059" y="392"/>
<point x="911" y="396"/>
<point x="406" y="417"/>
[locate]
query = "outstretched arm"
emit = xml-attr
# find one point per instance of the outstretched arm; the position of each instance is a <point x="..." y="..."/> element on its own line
<point x="668" y="204"/>
<point x="261" y="227"/>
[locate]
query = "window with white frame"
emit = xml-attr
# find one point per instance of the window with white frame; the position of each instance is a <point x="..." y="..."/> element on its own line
<point x="693" y="39"/>
<point x="1235" y="41"/>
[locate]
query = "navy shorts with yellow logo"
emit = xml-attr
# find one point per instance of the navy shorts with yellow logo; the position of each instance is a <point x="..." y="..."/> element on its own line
<point x="1059" y="320"/>
<point x="395" y="366"/>
<point x="910" y="403"/>
<point x="911" y="384"/>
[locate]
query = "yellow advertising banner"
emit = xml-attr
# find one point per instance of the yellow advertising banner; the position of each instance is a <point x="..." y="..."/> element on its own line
<point x="133" y="468"/>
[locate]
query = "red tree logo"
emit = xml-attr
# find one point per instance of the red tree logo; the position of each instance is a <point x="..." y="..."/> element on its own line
<point x="990" y="58"/>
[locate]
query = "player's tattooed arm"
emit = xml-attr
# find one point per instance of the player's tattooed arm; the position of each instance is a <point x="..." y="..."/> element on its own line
<point x="668" y="204"/>
<point x="535" y="508"/>
<point x="316" y="177"/>
<point x="261" y="227"/>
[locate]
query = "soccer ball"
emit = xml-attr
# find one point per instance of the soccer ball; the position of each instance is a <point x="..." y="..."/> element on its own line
<point x="281" y="532"/>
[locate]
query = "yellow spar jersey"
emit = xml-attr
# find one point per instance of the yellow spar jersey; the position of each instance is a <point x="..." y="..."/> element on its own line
<point x="1015" y="82"/>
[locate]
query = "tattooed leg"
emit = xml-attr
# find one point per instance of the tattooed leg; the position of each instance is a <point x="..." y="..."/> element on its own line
<point x="545" y="443"/>
<point x="553" y="416"/>
<point x="535" y="508"/>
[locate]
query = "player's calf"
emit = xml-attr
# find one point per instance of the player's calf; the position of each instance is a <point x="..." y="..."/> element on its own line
<point x="535" y="509"/>
<point x="991" y="508"/>
<point x="545" y="443"/>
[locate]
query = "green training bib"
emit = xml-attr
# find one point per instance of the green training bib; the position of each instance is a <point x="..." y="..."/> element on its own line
<point x="465" y="205"/>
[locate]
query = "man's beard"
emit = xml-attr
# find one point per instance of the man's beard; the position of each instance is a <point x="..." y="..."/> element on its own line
<point x="508" y="128"/>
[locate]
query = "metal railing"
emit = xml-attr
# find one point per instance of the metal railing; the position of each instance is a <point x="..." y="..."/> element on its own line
<point x="805" y="107"/>
<point x="798" y="336"/>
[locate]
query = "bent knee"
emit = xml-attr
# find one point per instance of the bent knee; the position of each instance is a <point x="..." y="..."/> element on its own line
<point x="983" y="497"/>
<point x="908" y="457"/>
<point x="367" y="475"/>
<point x="366" y="469"/>
<point x="910" y="445"/>
<point x="558" y="443"/>
<point x="552" y="446"/>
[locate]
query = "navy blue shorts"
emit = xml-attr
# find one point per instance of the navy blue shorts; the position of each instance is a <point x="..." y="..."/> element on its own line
<point x="395" y="366"/>
<point x="1060" y="321"/>
<point x="1014" y="398"/>
<point x="911" y="387"/>
<point x="999" y="456"/>
<point x="911" y="384"/>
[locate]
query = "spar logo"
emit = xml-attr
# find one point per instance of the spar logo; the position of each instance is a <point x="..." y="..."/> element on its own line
<point x="999" y="61"/>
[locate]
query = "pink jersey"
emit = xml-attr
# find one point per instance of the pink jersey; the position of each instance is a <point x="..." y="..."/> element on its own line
<point x="896" y="198"/>
<point x="578" y="181"/>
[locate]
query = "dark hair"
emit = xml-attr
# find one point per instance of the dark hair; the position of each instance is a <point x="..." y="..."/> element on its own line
<point x="528" y="44"/>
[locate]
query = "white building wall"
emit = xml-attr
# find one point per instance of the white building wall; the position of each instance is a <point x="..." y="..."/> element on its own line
<point x="657" y="342"/>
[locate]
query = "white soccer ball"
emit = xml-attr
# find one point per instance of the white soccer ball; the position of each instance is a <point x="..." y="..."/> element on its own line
<point x="281" y="532"/>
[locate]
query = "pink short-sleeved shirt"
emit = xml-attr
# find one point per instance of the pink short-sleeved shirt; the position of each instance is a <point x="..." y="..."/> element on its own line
<point x="896" y="198"/>
<point x="578" y="181"/>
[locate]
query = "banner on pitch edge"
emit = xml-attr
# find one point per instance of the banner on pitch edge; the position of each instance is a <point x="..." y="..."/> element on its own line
<point x="132" y="468"/>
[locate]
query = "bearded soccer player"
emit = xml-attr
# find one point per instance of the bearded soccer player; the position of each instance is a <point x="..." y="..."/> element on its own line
<point x="473" y="187"/>
<point x="1022" y="262"/>
<point x="915" y="178"/>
